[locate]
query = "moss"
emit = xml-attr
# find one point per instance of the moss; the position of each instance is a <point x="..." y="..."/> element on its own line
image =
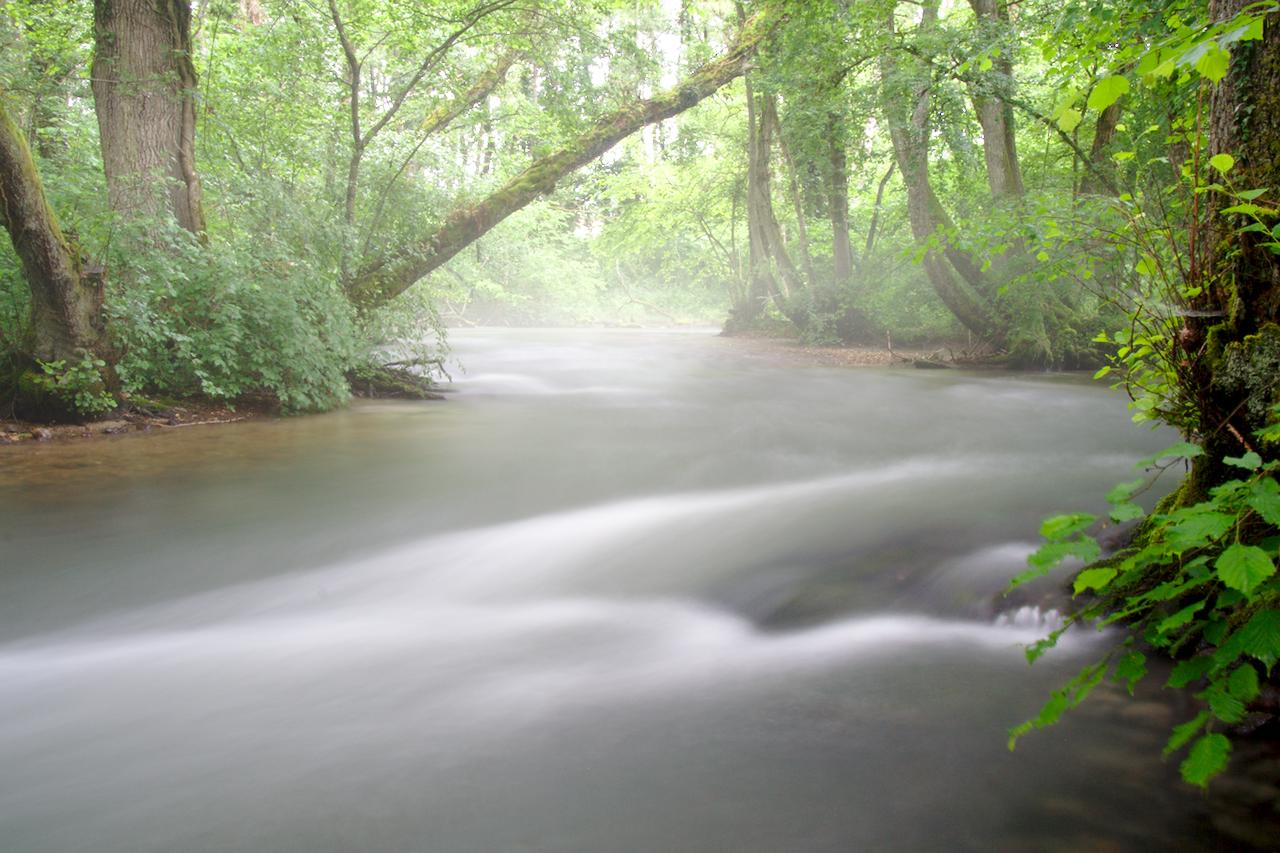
<point x="33" y="401"/>
<point x="1248" y="371"/>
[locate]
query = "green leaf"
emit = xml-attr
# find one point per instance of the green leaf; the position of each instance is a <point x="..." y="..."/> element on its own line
<point x="1208" y="758"/>
<point x="1122" y="492"/>
<point x="1181" y="450"/>
<point x="1132" y="668"/>
<point x="1093" y="579"/>
<point x="1264" y="499"/>
<point x="1189" y="670"/>
<point x="1260" y="637"/>
<point x="1250" y="195"/>
<point x="1222" y="162"/>
<point x="1225" y="707"/>
<point x="1069" y="119"/>
<point x="1243" y="683"/>
<point x="1052" y="553"/>
<point x="1213" y="65"/>
<point x="1196" y="526"/>
<point x="1102" y="371"/>
<point x="1121" y="513"/>
<point x="1107" y="92"/>
<point x="1250" y="461"/>
<point x="1247" y="208"/>
<point x="1181" y="618"/>
<point x="1185" y="732"/>
<point x="1243" y="567"/>
<point x="1059" y="527"/>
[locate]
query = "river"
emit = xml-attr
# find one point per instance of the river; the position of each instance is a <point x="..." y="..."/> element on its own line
<point x="623" y="591"/>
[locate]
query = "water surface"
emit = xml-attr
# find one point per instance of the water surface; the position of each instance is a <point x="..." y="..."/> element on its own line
<point x="624" y="591"/>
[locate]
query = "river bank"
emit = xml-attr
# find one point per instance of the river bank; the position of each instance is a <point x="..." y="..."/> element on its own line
<point x="205" y="412"/>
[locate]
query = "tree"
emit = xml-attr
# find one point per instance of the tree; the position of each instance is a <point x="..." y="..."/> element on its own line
<point x="387" y="277"/>
<point x="144" y="90"/>
<point x="65" y="301"/>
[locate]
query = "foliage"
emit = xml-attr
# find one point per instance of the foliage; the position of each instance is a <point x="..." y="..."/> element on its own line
<point x="79" y="386"/>
<point x="1199" y="585"/>
<point x="244" y="318"/>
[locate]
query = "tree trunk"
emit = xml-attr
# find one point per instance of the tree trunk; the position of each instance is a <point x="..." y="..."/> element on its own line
<point x="144" y="87"/>
<point x="1235" y="356"/>
<point x="390" y="276"/>
<point x="838" y="200"/>
<point x="1100" y="179"/>
<point x="905" y="92"/>
<point x="991" y="103"/>
<point x="65" y="304"/>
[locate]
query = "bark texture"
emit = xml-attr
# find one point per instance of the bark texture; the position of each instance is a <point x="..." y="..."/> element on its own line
<point x="65" y="304"/>
<point x="1234" y="337"/>
<point x="144" y="87"/>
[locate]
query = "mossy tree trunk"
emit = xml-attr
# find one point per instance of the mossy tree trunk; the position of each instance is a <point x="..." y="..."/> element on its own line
<point x="65" y="303"/>
<point x="144" y="86"/>
<point x="1232" y="338"/>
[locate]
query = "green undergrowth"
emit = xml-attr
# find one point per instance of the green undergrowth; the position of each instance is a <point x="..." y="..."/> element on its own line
<point x="1197" y="584"/>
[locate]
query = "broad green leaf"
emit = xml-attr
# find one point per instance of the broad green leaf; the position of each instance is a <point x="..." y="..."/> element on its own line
<point x="1193" y="527"/>
<point x="1069" y="119"/>
<point x="1207" y="759"/>
<point x="1121" y="513"/>
<point x="1222" y="162"/>
<point x="1093" y="579"/>
<point x="1260" y="637"/>
<point x="1243" y="683"/>
<point x="1264" y="499"/>
<point x="1185" y="732"/>
<point x="1225" y="707"/>
<point x="1189" y="670"/>
<point x="1122" y="492"/>
<point x="1102" y="371"/>
<point x="1250" y="195"/>
<point x="1107" y="92"/>
<point x="1250" y="461"/>
<point x="1213" y="65"/>
<point x="1181" y="618"/>
<point x="1181" y="450"/>
<point x="1061" y="526"/>
<point x="1052" y="553"/>
<point x="1248" y="208"/>
<point x="1243" y="567"/>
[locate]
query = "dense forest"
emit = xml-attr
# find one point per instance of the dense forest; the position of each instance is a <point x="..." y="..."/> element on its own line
<point x="278" y="198"/>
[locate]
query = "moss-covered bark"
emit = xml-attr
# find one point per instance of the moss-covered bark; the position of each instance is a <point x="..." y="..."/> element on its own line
<point x="66" y="304"/>
<point x="1232" y="338"/>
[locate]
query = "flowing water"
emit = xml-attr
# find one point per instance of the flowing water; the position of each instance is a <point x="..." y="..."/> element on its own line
<point x="624" y="591"/>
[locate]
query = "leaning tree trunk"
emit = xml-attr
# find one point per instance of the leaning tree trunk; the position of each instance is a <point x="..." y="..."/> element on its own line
<point x="385" y="278"/>
<point x="1232" y="336"/>
<point x="144" y="87"/>
<point x="955" y="278"/>
<point x="65" y="304"/>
